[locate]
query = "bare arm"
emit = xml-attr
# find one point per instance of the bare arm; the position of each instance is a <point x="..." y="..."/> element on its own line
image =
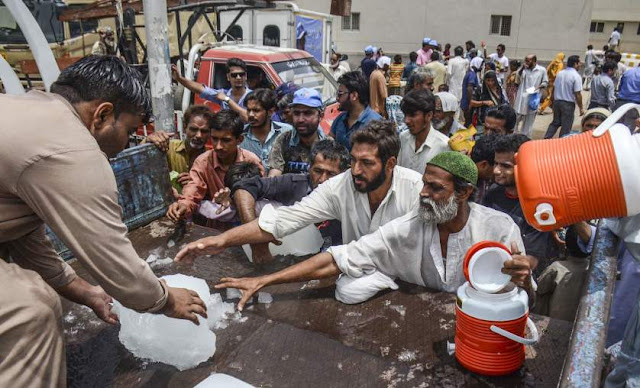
<point x="579" y="102"/>
<point x="246" y="208"/>
<point x="239" y="110"/>
<point x="250" y="233"/>
<point x="194" y="86"/>
<point x="318" y="267"/>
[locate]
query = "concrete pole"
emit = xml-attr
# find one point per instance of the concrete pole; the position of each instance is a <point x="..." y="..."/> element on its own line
<point x="156" y="26"/>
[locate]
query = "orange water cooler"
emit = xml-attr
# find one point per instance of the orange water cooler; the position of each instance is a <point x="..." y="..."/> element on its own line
<point x="492" y="315"/>
<point x="592" y="175"/>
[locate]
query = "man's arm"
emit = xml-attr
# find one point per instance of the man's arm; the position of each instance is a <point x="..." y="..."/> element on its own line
<point x="237" y="108"/>
<point x="317" y="267"/>
<point x="276" y="158"/>
<point x="579" y="102"/>
<point x="194" y="86"/>
<point x="611" y="94"/>
<point x="195" y="191"/>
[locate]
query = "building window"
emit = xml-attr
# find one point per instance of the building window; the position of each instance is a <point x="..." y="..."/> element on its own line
<point x="596" y="27"/>
<point x="638" y="32"/>
<point x="351" y="22"/>
<point x="236" y="32"/>
<point x="500" y="25"/>
<point x="620" y="27"/>
<point x="271" y="36"/>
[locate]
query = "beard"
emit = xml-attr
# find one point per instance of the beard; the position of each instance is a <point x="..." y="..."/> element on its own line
<point x="370" y="186"/>
<point x="196" y="144"/>
<point x="439" y="125"/>
<point x="433" y="212"/>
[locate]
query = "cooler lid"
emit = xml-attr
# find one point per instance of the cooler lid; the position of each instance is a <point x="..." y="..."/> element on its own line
<point x="483" y="264"/>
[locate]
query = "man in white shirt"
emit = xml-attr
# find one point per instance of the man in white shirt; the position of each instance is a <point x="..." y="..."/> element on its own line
<point x="501" y="61"/>
<point x="373" y="192"/>
<point x="456" y="70"/>
<point x="614" y="39"/>
<point x="566" y="94"/>
<point x="530" y="75"/>
<point x="421" y="142"/>
<point x="444" y="120"/>
<point x="425" y="247"/>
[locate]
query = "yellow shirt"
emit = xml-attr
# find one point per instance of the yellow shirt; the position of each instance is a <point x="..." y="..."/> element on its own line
<point x="395" y="75"/>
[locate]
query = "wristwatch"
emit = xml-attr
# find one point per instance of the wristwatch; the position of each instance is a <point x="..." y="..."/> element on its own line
<point x="226" y="99"/>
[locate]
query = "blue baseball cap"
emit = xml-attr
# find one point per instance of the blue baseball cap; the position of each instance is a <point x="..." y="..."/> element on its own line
<point x="307" y="97"/>
<point x="433" y="42"/>
<point x="368" y="50"/>
<point x="426" y="40"/>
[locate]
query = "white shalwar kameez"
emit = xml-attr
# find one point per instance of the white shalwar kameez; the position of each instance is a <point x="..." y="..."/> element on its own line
<point x="409" y="249"/>
<point x="456" y="70"/>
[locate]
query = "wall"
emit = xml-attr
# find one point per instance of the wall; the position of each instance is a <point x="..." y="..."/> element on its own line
<point x="399" y="26"/>
<point x="611" y="12"/>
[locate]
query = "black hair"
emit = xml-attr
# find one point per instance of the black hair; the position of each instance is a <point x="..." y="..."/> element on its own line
<point x="416" y="78"/>
<point x="443" y="88"/>
<point x="199" y="110"/>
<point x="486" y="94"/>
<point x="459" y="185"/>
<point x="105" y="78"/>
<point x="435" y="56"/>
<point x="484" y="149"/>
<point x="332" y="150"/>
<point x="458" y="50"/>
<point x="413" y="56"/>
<point x="397" y="58"/>
<point x="516" y="63"/>
<point x="616" y="57"/>
<point x="447" y="46"/>
<point x="470" y="44"/>
<point x="609" y="65"/>
<point x="590" y="47"/>
<point x="239" y="171"/>
<point x="228" y="120"/>
<point x="381" y="133"/>
<point x="511" y="143"/>
<point x="504" y="112"/>
<point x="501" y="46"/>
<point x="354" y="81"/>
<point x="284" y="102"/>
<point x="265" y="97"/>
<point x="573" y="60"/>
<point x="236" y="62"/>
<point x="418" y="101"/>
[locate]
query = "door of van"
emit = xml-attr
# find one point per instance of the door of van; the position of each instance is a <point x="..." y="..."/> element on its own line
<point x="272" y="28"/>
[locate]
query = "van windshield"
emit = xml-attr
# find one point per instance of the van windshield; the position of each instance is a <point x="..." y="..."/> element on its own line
<point x="308" y="73"/>
<point x="43" y="12"/>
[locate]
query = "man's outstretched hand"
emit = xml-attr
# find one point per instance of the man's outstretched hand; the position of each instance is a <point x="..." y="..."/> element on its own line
<point x="205" y="246"/>
<point x="248" y="287"/>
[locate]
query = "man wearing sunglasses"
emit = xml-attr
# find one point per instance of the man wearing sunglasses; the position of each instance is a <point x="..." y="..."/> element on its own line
<point x="232" y="98"/>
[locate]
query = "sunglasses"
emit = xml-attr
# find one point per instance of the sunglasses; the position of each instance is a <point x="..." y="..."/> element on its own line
<point x="237" y="75"/>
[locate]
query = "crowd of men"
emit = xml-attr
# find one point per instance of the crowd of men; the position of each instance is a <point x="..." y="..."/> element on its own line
<point x="406" y="180"/>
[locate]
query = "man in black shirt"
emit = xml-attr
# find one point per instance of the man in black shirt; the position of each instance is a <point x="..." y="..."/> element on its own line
<point x="328" y="159"/>
<point x="504" y="197"/>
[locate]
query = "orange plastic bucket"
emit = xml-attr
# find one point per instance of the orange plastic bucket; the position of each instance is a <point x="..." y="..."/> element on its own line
<point x="591" y="175"/>
<point x="482" y="351"/>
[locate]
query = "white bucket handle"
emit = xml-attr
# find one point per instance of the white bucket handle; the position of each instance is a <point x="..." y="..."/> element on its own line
<point x="517" y="338"/>
<point x="614" y="118"/>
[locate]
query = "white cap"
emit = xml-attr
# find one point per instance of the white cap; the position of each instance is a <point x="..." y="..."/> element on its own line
<point x="449" y="101"/>
<point x="384" y="60"/>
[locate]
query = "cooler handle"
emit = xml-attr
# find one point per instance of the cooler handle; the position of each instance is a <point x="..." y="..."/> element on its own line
<point x="517" y="338"/>
<point x="611" y="120"/>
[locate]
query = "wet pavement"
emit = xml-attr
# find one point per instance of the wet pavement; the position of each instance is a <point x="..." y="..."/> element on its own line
<point x="305" y="338"/>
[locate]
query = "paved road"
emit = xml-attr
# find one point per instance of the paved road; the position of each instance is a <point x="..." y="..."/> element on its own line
<point x="542" y="121"/>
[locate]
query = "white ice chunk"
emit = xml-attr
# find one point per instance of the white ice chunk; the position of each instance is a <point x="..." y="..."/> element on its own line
<point x="218" y="311"/>
<point x="172" y="341"/>
<point x="233" y="293"/>
<point x="161" y="262"/>
<point x="152" y="258"/>
<point x="264" y="297"/>
<point x="218" y="380"/>
<point x="304" y="242"/>
<point x="171" y="243"/>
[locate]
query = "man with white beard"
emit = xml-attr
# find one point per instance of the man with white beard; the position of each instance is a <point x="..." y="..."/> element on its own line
<point x="425" y="247"/>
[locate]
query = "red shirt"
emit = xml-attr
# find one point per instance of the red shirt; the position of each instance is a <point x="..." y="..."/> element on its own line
<point x="207" y="176"/>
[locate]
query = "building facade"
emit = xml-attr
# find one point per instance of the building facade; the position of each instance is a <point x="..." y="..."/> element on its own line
<point x="541" y="27"/>
<point x="607" y="15"/>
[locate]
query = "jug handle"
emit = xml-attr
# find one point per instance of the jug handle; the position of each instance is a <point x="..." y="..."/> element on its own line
<point x="611" y="120"/>
<point x="525" y="341"/>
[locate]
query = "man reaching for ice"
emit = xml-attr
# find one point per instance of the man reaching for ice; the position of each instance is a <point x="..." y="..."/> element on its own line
<point x="425" y="247"/>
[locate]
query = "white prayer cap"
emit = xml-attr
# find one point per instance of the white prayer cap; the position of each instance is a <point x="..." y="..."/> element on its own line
<point x="448" y="100"/>
<point x="384" y="60"/>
